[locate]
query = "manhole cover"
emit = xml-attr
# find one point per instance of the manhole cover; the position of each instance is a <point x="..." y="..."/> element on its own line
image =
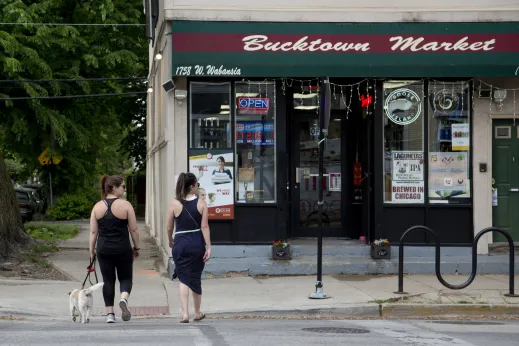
<point x="474" y="323"/>
<point x="336" y="330"/>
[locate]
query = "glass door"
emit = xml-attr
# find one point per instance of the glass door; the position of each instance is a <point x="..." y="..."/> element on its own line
<point x="306" y="173"/>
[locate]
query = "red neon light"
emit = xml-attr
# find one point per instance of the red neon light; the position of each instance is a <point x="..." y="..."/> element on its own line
<point x="366" y="101"/>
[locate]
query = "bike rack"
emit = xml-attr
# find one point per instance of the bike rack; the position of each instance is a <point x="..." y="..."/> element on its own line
<point x="474" y="259"/>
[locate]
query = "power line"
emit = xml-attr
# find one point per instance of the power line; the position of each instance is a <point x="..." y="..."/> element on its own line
<point x="76" y="24"/>
<point x="69" y="80"/>
<point x="70" y="96"/>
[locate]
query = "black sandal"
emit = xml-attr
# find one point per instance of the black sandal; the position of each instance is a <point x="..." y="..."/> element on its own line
<point x="199" y="318"/>
<point x="184" y="321"/>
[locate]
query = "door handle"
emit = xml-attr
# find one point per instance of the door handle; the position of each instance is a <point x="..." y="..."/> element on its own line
<point x="514" y="190"/>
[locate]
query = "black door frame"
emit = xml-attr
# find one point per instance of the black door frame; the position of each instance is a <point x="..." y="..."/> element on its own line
<point x="293" y="142"/>
<point x="366" y="157"/>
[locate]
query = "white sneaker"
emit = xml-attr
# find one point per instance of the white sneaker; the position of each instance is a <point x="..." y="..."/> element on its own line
<point x="110" y="318"/>
<point x="126" y="315"/>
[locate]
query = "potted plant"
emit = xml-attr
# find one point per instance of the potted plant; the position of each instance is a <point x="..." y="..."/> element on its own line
<point x="281" y="250"/>
<point x="380" y="249"/>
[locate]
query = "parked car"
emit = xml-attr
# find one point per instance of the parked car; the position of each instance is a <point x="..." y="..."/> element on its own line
<point x="27" y="200"/>
<point x="40" y="196"/>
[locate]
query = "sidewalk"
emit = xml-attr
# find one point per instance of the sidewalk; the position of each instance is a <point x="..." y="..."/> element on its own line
<point x="350" y="296"/>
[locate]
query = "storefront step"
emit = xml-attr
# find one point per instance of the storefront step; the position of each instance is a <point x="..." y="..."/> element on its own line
<point x="364" y="250"/>
<point x="330" y="249"/>
<point x="307" y="265"/>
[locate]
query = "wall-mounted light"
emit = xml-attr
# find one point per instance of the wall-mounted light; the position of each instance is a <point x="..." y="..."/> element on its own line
<point x="158" y="56"/>
<point x="150" y="89"/>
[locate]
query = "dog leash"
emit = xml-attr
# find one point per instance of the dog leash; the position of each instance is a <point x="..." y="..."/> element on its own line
<point x="91" y="268"/>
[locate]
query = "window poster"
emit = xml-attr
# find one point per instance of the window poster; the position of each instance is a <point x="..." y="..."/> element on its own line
<point x="335" y="182"/>
<point x="215" y="173"/>
<point x="448" y="175"/>
<point x="460" y="137"/>
<point x="407" y="192"/>
<point x="407" y="172"/>
<point x="407" y="165"/>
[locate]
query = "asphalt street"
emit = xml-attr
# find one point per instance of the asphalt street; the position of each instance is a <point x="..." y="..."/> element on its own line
<point x="262" y="332"/>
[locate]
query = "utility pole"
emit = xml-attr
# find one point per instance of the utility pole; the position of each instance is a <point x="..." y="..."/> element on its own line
<point x="324" y="120"/>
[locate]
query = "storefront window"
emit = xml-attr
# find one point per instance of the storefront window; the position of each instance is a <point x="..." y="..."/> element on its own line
<point x="255" y="142"/>
<point x="210" y="115"/>
<point x="449" y="142"/>
<point x="403" y="142"/>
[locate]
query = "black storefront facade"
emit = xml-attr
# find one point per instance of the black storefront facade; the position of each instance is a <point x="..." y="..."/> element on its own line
<point x="399" y="151"/>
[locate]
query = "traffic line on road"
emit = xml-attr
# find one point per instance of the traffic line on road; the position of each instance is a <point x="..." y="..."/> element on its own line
<point x="408" y="334"/>
<point x="98" y="335"/>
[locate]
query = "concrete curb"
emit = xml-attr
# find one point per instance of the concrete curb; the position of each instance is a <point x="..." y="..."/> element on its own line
<point x="357" y="311"/>
<point x="445" y="310"/>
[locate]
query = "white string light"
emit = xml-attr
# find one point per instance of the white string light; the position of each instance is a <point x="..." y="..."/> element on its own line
<point x="514" y="108"/>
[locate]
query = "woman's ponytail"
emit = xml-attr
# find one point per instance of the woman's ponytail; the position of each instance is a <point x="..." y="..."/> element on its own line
<point x="180" y="190"/>
<point x="103" y="188"/>
<point x="184" y="183"/>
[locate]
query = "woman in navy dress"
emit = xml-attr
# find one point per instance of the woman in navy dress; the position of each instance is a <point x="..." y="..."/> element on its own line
<point x="190" y="243"/>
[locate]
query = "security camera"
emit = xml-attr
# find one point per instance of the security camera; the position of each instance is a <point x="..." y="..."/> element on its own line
<point x="169" y="85"/>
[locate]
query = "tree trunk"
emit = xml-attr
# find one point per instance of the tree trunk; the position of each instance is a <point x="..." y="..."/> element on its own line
<point x="12" y="232"/>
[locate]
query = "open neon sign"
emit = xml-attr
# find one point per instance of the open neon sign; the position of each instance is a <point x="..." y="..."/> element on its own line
<point x="253" y="105"/>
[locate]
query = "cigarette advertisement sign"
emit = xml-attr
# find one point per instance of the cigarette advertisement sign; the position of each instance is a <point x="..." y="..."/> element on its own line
<point x="215" y="173"/>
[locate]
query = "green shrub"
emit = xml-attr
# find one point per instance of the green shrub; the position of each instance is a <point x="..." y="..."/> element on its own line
<point x="71" y="207"/>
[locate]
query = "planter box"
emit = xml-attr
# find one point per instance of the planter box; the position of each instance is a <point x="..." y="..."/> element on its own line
<point x="279" y="253"/>
<point x="380" y="252"/>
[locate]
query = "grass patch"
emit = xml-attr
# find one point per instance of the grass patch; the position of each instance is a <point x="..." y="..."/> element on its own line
<point x="46" y="236"/>
<point x="391" y="300"/>
<point x="44" y="248"/>
<point x="37" y="260"/>
<point x="51" y="232"/>
<point x="463" y="302"/>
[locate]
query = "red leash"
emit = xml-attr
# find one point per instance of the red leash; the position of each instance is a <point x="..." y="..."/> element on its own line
<point x="90" y="269"/>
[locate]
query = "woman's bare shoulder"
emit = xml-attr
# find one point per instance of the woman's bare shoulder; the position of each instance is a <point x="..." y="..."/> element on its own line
<point x="175" y="203"/>
<point x="99" y="204"/>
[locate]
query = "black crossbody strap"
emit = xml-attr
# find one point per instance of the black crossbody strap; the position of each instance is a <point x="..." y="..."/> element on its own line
<point x="192" y="218"/>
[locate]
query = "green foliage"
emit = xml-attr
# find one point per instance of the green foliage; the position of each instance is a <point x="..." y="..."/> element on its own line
<point x="51" y="232"/>
<point x="15" y="168"/>
<point x="71" y="207"/>
<point x="86" y="132"/>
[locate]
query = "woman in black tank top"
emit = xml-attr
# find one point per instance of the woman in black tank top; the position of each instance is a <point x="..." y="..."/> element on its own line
<point x="191" y="243"/>
<point x="114" y="249"/>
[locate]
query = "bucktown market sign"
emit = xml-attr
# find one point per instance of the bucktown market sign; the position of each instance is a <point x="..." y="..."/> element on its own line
<point x="393" y="50"/>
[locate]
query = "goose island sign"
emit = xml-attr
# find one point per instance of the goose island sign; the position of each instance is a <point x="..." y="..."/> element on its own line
<point x="403" y="49"/>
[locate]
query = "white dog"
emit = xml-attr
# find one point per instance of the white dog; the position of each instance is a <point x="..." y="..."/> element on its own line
<point x="82" y="301"/>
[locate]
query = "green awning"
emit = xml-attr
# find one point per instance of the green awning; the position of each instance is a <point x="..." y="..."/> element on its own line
<point x="261" y="49"/>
